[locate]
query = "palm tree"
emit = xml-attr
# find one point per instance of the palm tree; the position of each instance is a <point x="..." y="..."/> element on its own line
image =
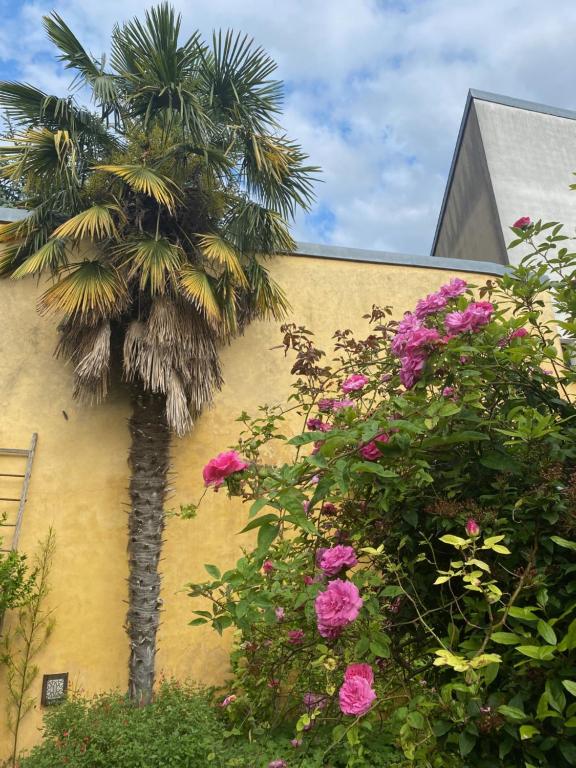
<point x="151" y="214"/>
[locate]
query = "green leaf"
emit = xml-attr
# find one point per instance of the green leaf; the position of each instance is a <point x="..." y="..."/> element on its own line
<point x="546" y="631"/>
<point x="511" y="713"/>
<point x="416" y="720"/>
<point x="257" y="506"/>
<point x="266" y="536"/>
<point x="197" y="622"/>
<point x="372" y="467"/>
<point x="522" y="613"/>
<point x="380" y="649"/>
<point x="563" y="542"/>
<point x="455" y="541"/>
<point x="540" y="652"/>
<point x="213" y="571"/>
<point x="260" y="521"/>
<point x="527" y="731"/>
<point x="506" y="638"/>
<point x="466" y="743"/>
<point x="570" y="686"/>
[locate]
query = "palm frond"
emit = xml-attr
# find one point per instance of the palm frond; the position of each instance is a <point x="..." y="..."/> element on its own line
<point x="89" y="289"/>
<point x="266" y="298"/>
<point x="216" y="248"/>
<point x="72" y="53"/>
<point x="275" y="173"/>
<point x="196" y="286"/>
<point x="89" y="70"/>
<point x="28" y="106"/>
<point x="252" y="228"/>
<point x="153" y="261"/>
<point x="15" y="230"/>
<point x="11" y="255"/>
<point x="227" y="294"/>
<point x="51" y="256"/>
<point x="158" y="71"/>
<point x="143" y="179"/>
<point x="96" y="222"/>
<point x="39" y="153"/>
<point x="236" y="76"/>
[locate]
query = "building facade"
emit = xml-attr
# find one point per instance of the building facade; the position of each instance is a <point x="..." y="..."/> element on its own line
<point x="80" y="473"/>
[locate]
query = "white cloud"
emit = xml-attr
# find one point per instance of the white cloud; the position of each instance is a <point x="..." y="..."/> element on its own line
<point x="376" y="88"/>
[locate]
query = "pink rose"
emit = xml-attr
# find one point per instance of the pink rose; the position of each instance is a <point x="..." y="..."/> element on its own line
<point x="295" y="636"/>
<point x="359" y="670"/>
<point x="370" y="451"/>
<point x="325" y="404"/>
<point x="277" y="763"/>
<point x="454" y="288"/>
<point x="317" y="425"/>
<point x="221" y="467"/>
<point x="296" y="743"/>
<point x="356" y="696"/>
<point x="228" y="700"/>
<point x="434" y="302"/>
<point x="519" y="333"/>
<point x="354" y="383"/>
<point x="472" y="528"/>
<point x="268" y="566"/>
<point x="522" y="223"/>
<point x="411" y="370"/>
<point x="476" y="315"/>
<point x="448" y="392"/>
<point x="337" y="558"/>
<point x="280" y="613"/>
<point x="337" y="606"/>
<point x="345" y="403"/>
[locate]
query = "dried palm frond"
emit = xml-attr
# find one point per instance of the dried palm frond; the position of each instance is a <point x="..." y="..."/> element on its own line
<point x="177" y="409"/>
<point x="88" y="349"/>
<point x="89" y="290"/>
<point x="174" y="352"/>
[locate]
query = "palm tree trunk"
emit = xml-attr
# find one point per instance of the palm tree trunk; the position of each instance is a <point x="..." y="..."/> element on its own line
<point x="149" y="458"/>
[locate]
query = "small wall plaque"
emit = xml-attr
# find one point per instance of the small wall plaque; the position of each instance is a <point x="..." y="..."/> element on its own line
<point x="54" y="689"/>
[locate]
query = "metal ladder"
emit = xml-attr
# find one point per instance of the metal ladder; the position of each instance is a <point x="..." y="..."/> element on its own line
<point x="24" y="453"/>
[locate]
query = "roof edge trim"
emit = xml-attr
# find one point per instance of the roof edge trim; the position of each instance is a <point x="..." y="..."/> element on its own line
<point x="341" y="253"/>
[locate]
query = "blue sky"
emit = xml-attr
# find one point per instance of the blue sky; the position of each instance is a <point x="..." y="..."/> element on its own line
<point x="375" y="88"/>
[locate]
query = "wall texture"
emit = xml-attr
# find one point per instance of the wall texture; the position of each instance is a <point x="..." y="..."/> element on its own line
<point x="80" y="474"/>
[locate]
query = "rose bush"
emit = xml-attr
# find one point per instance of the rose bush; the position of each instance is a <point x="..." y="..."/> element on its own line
<point x="420" y="543"/>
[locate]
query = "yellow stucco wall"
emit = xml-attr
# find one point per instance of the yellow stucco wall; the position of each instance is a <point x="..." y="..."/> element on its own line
<point x="80" y="473"/>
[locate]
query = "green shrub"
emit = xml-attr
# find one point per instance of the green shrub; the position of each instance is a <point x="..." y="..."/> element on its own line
<point x="415" y="555"/>
<point x="182" y="728"/>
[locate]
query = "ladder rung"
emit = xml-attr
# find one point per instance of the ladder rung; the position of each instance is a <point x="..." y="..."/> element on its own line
<point x="8" y="498"/>
<point x="14" y="451"/>
<point x="10" y="474"/>
<point x="7" y="525"/>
